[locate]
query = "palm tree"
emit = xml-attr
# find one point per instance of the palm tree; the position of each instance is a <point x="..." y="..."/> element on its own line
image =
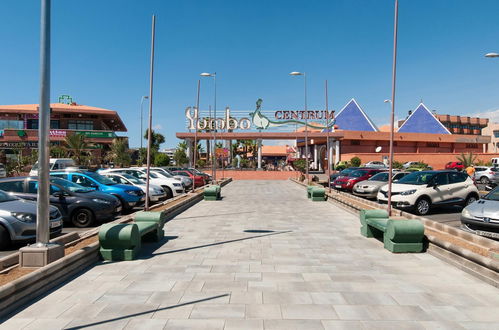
<point x="119" y="153"/>
<point x="76" y="146"/>
<point x="467" y="159"/>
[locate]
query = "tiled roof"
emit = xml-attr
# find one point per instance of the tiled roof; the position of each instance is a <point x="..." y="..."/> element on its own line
<point x="353" y="118"/>
<point x="56" y="107"/>
<point x="423" y="121"/>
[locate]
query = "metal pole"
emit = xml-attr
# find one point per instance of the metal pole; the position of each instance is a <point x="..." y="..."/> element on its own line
<point x="150" y="113"/>
<point x="196" y="132"/>
<point x="141" y="125"/>
<point x="306" y="127"/>
<point x="329" y="161"/>
<point x="42" y="207"/>
<point x="215" y="131"/>
<point x="392" y="116"/>
<point x="210" y="142"/>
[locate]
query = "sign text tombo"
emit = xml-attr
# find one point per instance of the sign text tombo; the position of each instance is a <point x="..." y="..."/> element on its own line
<point x="227" y="122"/>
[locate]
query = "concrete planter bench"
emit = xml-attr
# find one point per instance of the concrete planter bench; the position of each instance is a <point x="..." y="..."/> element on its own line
<point x="318" y="194"/>
<point x="309" y="191"/>
<point x="399" y="236"/>
<point x="212" y="193"/>
<point x="123" y="241"/>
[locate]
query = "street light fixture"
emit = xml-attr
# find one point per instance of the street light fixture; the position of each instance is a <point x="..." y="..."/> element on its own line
<point x="214" y="166"/>
<point x="141" y="116"/>
<point x="492" y="55"/>
<point x="304" y="74"/>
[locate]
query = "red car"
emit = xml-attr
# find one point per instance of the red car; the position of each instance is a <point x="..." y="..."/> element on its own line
<point x="197" y="179"/>
<point x="347" y="182"/>
<point x="454" y="166"/>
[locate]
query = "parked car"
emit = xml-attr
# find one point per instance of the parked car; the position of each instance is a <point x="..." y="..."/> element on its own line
<point x="375" y="164"/>
<point x="55" y="164"/>
<point x="486" y="175"/>
<point x="369" y="188"/>
<point x="3" y="172"/>
<point x="345" y="172"/>
<point x="171" y="186"/>
<point x="495" y="162"/>
<point x="482" y="217"/>
<point x="186" y="182"/>
<point x="197" y="179"/>
<point x="78" y="205"/>
<point x="421" y="191"/>
<point x="410" y="164"/>
<point x="458" y="166"/>
<point x="18" y="220"/>
<point x="347" y="182"/>
<point x="129" y="196"/>
<point x="156" y="193"/>
<point x="207" y="177"/>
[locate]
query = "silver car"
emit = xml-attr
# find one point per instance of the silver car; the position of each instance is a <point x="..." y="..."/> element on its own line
<point x="18" y="220"/>
<point x="369" y="188"/>
<point x="482" y="216"/>
<point x="156" y="193"/>
<point x="486" y="175"/>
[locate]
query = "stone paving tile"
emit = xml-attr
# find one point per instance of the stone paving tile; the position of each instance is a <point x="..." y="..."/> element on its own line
<point x="312" y="269"/>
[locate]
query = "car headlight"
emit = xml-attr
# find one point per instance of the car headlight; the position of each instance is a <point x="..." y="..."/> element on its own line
<point x="466" y="214"/>
<point x="102" y="201"/>
<point x="24" y="217"/>
<point x="408" y="192"/>
<point x="177" y="185"/>
<point x="133" y="192"/>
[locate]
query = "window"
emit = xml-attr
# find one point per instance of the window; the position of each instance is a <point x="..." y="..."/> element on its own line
<point x="81" y="180"/>
<point x="432" y="144"/>
<point x="441" y="179"/>
<point x="355" y="142"/>
<point x="457" y="177"/>
<point x="496" y="134"/>
<point x="81" y="124"/>
<point x="471" y="145"/>
<point x="62" y="176"/>
<point x="12" y="186"/>
<point x="14" y="124"/>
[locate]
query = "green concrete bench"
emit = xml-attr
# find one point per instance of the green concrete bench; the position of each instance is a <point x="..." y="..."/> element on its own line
<point x="309" y="191"/>
<point x="399" y="236"/>
<point x="123" y="241"/>
<point x="212" y="193"/>
<point x="318" y="194"/>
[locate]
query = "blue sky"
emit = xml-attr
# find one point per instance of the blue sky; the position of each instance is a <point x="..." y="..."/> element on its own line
<point x="101" y="49"/>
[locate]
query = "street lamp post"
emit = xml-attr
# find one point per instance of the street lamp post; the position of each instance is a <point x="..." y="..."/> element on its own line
<point x="141" y="116"/>
<point x="304" y="74"/>
<point x="329" y="158"/>
<point x="392" y="115"/>
<point x="214" y="165"/>
<point x="149" y="134"/>
<point x="196" y="132"/>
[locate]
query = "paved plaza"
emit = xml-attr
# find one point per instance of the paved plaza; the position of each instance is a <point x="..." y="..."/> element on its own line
<point x="265" y="257"/>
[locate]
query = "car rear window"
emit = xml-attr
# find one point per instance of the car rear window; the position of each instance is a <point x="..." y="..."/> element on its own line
<point x="12" y="186"/>
<point x="457" y="177"/>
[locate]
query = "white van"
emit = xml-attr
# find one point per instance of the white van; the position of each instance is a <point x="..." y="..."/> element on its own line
<point x="495" y="162"/>
<point x="55" y="164"/>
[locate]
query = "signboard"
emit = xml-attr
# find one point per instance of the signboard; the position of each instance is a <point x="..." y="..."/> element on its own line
<point x="96" y="134"/>
<point x="258" y="120"/>
<point x="57" y="133"/>
<point x="19" y="145"/>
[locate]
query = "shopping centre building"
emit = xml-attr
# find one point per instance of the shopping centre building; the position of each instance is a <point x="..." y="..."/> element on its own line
<point x="423" y="136"/>
<point x="19" y="126"/>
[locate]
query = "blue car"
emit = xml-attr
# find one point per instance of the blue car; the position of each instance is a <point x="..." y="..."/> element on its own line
<point x="128" y="195"/>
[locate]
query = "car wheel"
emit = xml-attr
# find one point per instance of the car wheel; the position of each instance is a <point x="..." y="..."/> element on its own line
<point x="4" y="238"/>
<point x="470" y="199"/>
<point x="168" y="191"/>
<point x="484" y="180"/>
<point x="423" y="206"/>
<point x="82" y="218"/>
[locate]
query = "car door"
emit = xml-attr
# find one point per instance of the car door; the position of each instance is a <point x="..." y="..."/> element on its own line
<point x="58" y="201"/>
<point x="458" y="186"/>
<point x="439" y="192"/>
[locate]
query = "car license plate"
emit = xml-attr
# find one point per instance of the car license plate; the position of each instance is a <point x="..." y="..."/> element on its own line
<point x="487" y="234"/>
<point x="55" y="224"/>
<point x="338" y="186"/>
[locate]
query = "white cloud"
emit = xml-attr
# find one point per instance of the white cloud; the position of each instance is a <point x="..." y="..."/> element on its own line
<point x="493" y="115"/>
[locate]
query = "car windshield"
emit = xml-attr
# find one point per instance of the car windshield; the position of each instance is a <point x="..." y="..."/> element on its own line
<point x="383" y="176"/>
<point x="101" y="179"/>
<point x="493" y="195"/>
<point x="70" y="186"/>
<point x="418" y="178"/>
<point x="347" y="171"/>
<point x="5" y="197"/>
<point x="357" y="174"/>
<point x="133" y="179"/>
<point x="160" y="173"/>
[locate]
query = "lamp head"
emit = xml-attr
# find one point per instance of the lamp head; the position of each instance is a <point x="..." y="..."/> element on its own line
<point x="206" y="74"/>
<point x="295" y="73"/>
<point x="492" y="55"/>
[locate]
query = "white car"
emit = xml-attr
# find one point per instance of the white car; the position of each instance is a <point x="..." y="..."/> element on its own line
<point x="55" y="164"/>
<point x="375" y="164"/>
<point x="156" y="193"/>
<point x="186" y="182"/>
<point x="422" y="190"/>
<point x="171" y="186"/>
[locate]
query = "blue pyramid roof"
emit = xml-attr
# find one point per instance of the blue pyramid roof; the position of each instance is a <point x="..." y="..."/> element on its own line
<point x="353" y="118"/>
<point x="423" y="121"/>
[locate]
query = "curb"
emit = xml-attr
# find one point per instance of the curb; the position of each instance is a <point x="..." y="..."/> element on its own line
<point x="27" y="288"/>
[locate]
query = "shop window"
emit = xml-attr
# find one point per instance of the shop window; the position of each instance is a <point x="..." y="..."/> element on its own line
<point x="471" y="145"/>
<point x="81" y="124"/>
<point x="496" y="134"/>
<point x="432" y="144"/>
<point x="15" y="124"/>
<point x="33" y="124"/>
<point x="355" y="142"/>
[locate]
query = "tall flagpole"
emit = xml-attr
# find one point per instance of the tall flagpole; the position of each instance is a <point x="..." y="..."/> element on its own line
<point x="149" y="134"/>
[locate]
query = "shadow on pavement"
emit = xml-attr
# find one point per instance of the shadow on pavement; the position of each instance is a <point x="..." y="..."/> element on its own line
<point x="214" y="215"/>
<point x="145" y="312"/>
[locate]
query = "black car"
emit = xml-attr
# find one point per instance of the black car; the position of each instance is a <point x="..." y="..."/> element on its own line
<point x="79" y="205"/>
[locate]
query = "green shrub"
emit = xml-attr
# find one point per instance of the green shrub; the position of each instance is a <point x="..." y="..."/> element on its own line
<point x="300" y="165"/>
<point x="355" y="162"/>
<point x="161" y="159"/>
<point x="397" y="165"/>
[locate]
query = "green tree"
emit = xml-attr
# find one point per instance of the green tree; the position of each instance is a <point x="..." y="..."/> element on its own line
<point x="397" y="165"/>
<point x="57" y="152"/>
<point x="355" y="161"/>
<point x="161" y="159"/>
<point x="76" y="147"/>
<point x="180" y="157"/>
<point x="467" y="159"/>
<point x="300" y="165"/>
<point x="119" y="153"/>
<point x="156" y="139"/>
